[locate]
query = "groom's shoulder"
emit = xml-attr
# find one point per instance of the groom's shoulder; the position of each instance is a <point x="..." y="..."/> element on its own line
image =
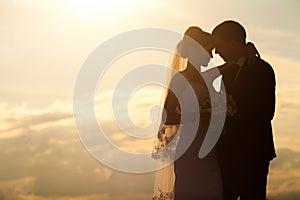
<point x="260" y="61"/>
<point x="264" y="66"/>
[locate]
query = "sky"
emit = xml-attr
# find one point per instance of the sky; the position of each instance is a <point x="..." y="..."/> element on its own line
<point x="43" y="46"/>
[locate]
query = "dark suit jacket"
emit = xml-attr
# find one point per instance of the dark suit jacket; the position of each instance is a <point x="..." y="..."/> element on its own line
<point x="248" y="134"/>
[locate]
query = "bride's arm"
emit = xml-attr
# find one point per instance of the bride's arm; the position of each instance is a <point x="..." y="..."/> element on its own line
<point x="252" y="54"/>
<point x="171" y="106"/>
<point x="213" y="73"/>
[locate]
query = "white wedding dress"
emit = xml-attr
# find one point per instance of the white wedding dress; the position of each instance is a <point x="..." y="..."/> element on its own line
<point x="188" y="177"/>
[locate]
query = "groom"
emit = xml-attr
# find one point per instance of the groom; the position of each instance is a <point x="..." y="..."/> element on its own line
<point x="246" y="147"/>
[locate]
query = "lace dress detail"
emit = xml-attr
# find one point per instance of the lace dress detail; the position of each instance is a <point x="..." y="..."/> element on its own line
<point x="164" y="152"/>
<point x="163" y="195"/>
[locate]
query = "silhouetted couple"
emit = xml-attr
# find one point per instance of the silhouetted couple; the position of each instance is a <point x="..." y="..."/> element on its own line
<point x="238" y="164"/>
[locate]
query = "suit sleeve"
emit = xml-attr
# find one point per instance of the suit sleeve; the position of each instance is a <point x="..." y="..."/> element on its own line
<point x="258" y="100"/>
<point x="268" y="94"/>
<point x="265" y="103"/>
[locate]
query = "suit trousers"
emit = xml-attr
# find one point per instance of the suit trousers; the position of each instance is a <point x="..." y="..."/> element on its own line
<point x="245" y="180"/>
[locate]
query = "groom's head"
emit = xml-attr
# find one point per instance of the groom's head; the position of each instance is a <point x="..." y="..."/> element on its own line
<point x="230" y="40"/>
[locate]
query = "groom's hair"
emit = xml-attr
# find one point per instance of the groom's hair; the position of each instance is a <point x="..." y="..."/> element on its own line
<point x="230" y="30"/>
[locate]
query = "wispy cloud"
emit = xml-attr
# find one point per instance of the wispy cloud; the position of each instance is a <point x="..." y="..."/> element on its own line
<point x="50" y="162"/>
<point x="284" y="179"/>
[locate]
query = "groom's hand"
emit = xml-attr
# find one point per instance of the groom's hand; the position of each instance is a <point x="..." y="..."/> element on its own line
<point x="252" y="52"/>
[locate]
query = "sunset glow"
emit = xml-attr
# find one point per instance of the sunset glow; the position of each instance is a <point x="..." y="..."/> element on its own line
<point x="43" y="47"/>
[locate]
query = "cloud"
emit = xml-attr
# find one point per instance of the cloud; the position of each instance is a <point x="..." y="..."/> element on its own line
<point x="286" y="196"/>
<point x="289" y="107"/>
<point x="13" y="188"/>
<point x="35" y="120"/>
<point x="284" y="177"/>
<point x="287" y="159"/>
<point x="51" y="163"/>
<point x="60" y="166"/>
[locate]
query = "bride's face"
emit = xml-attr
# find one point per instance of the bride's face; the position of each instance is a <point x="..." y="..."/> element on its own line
<point x="209" y="49"/>
<point x="199" y="56"/>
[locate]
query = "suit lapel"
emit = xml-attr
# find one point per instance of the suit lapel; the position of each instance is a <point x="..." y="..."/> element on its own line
<point x="230" y="77"/>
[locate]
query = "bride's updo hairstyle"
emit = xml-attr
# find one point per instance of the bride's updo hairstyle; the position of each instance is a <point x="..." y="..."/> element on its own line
<point x="197" y="35"/>
<point x="186" y="49"/>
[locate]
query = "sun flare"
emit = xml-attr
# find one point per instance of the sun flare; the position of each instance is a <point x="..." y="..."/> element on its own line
<point x="94" y="8"/>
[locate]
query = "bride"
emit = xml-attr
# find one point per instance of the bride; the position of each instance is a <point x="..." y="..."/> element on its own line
<point x="189" y="177"/>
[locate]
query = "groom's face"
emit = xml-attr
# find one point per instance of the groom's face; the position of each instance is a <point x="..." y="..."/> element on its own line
<point x="225" y="48"/>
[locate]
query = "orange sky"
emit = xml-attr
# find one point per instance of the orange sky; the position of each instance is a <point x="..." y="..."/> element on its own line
<point x="43" y="45"/>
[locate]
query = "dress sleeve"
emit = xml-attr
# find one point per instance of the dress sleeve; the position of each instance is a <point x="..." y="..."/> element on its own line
<point x="210" y="75"/>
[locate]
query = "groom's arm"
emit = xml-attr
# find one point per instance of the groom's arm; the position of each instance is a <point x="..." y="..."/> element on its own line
<point x="259" y="99"/>
<point x="264" y="93"/>
<point x="211" y="74"/>
<point x="267" y="93"/>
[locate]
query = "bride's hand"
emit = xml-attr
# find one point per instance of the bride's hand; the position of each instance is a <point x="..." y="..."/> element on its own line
<point x="252" y="52"/>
